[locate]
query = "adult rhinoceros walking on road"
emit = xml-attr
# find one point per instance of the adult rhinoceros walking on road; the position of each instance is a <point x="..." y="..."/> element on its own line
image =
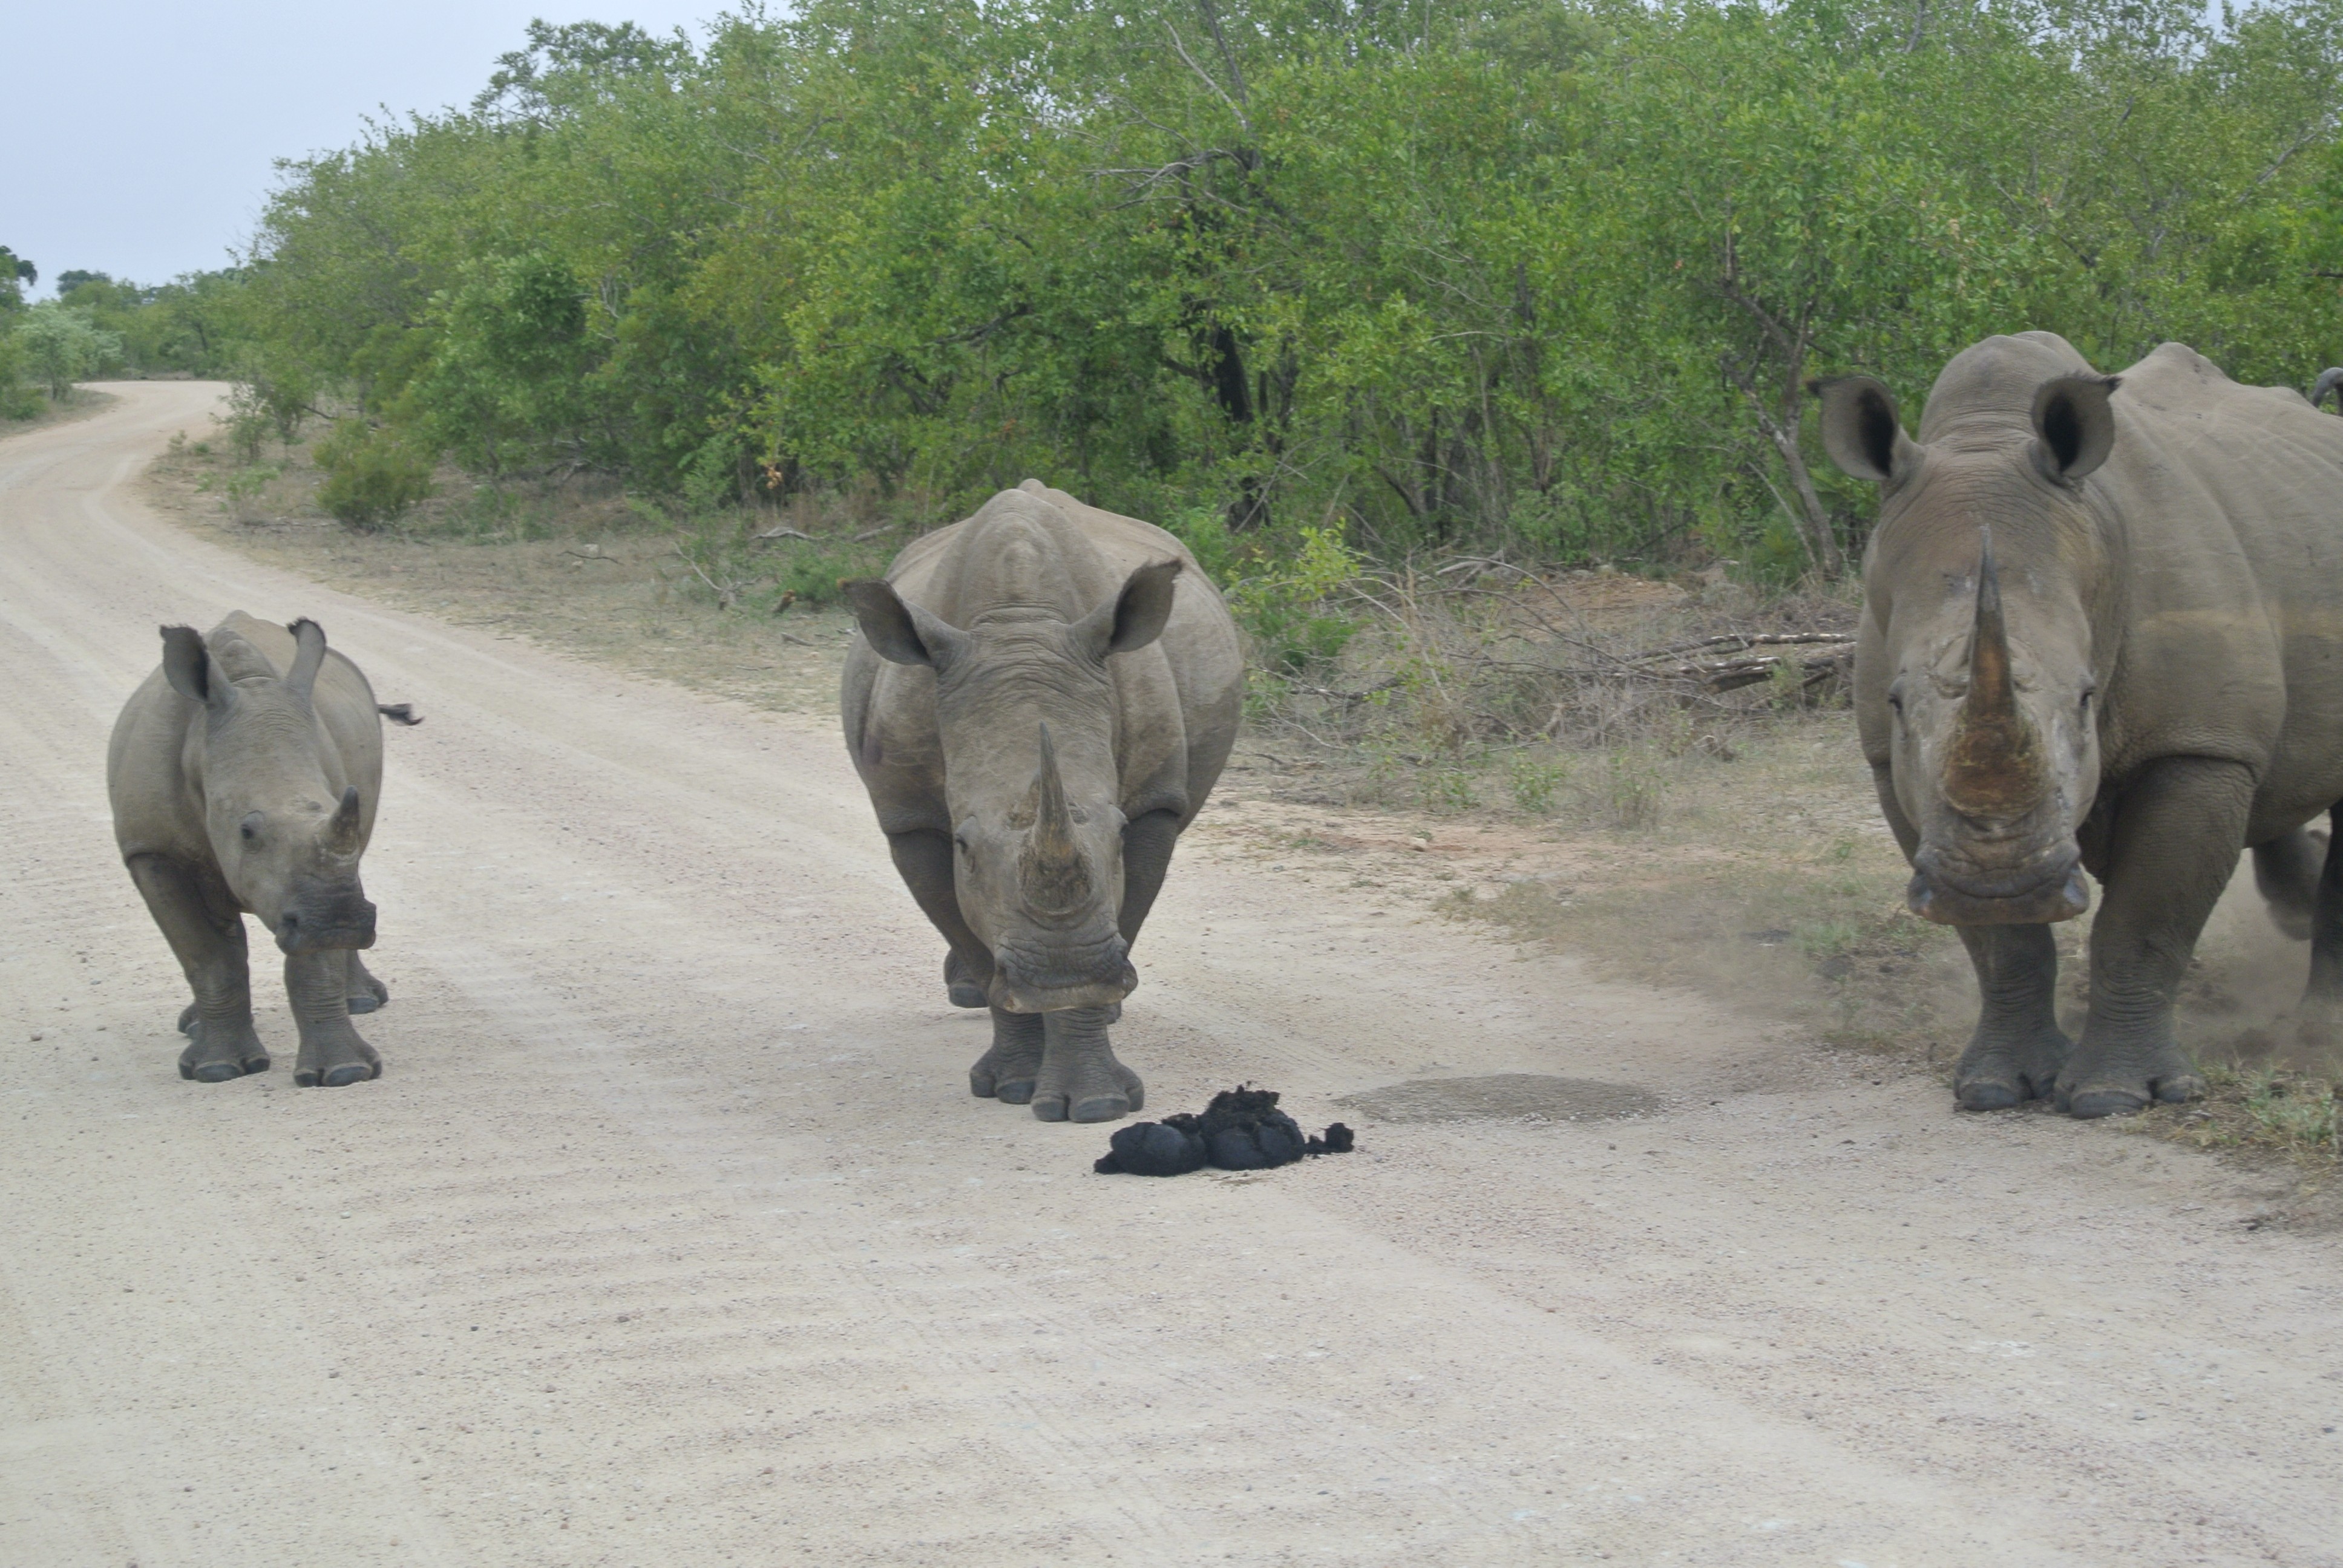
<point x="2103" y="631"/>
<point x="1040" y="702"/>
<point x="244" y="774"/>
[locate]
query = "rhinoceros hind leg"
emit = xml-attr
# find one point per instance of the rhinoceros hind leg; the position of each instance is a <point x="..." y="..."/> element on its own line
<point x="366" y="994"/>
<point x="2286" y="873"/>
<point x="2319" y="1020"/>
<point x="1007" y="1072"/>
<point x="959" y="985"/>
<point x="1081" y="1079"/>
<point x="2018" y="1048"/>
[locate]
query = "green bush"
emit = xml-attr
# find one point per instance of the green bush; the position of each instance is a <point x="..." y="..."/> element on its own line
<point x="1287" y="608"/>
<point x="61" y="347"/>
<point x="371" y="475"/>
<point x="19" y="399"/>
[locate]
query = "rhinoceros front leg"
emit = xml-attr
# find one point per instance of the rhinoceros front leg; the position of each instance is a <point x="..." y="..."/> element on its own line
<point x="1081" y="1080"/>
<point x="206" y="935"/>
<point x="924" y="860"/>
<point x="333" y="1054"/>
<point x="1147" y="842"/>
<point x="1010" y="1070"/>
<point x="2018" y="1048"/>
<point x="2171" y="850"/>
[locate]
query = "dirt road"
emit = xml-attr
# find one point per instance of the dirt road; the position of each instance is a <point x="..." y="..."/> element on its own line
<point x="672" y="1235"/>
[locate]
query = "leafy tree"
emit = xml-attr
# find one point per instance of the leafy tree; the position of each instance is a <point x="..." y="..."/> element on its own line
<point x="60" y="346"/>
<point x="1535" y="275"/>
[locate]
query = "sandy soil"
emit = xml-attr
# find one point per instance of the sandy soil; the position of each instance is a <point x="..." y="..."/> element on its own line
<point x="672" y="1235"/>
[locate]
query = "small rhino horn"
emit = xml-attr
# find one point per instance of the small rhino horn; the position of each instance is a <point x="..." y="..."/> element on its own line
<point x="342" y="830"/>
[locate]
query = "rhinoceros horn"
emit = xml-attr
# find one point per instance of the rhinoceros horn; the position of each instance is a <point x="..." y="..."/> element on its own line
<point x="342" y="827"/>
<point x="1995" y="767"/>
<point x="1051" y="871"/>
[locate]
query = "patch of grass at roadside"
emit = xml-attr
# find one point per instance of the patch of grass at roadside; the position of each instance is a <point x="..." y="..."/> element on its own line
<point x="2258" y="1108"/>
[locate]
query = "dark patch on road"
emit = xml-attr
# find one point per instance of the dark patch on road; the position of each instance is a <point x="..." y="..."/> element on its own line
<point x="1501" y="1096"/>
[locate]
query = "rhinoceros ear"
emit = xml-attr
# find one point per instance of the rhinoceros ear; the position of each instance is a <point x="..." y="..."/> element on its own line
<point x="308" y="653"/>
<point x="900" y="631"/>
<point x="2074" y="427"/>
<point x="1135" y="617"/>
<point x="1861" y="431"/>
<point x="188" y="664"/>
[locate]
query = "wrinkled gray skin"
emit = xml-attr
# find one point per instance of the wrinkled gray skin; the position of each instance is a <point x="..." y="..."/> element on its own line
<point x="244" y="774"/>
<point x="1041" y="701"/>
<point x="2102" y="632"/>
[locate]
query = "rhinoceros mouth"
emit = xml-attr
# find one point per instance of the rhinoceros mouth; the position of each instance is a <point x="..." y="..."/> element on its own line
<point x="1050" y="980"/>
<point x="2050" y="889"/>
<point x="319" y="939"/>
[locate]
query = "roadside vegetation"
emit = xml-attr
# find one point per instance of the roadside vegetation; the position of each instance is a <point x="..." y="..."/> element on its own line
<point x="97" y="326"/>
<point x="1537" y="276"/>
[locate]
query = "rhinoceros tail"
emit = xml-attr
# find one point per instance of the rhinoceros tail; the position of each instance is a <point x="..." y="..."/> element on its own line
<point x="400" y="712"/>
<point x="2329" y="380"/>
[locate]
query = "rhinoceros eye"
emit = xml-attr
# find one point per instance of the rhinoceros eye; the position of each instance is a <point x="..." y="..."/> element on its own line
<point x="250" y="829"/>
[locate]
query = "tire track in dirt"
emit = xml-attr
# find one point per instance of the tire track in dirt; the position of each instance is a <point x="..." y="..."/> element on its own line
<point x="671" y="1233"/>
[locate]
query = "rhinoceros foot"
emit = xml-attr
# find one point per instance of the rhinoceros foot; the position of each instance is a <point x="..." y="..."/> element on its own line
<point x="2115" y="1083"/>
<point x="1008" y="1072"/>
<point x="367" y="993"/>
<point x="1999" y="1072"/>
<point x="964" y="989"/>
<point x="229" y="1053"/>
<point x="1081" y="1080"/>
<point x="333" y="1055"/>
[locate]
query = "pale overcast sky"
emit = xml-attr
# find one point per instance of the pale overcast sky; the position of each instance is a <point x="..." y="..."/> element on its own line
<point x="136" y="139"/>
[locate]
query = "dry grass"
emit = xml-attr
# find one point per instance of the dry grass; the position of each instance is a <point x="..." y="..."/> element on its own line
<point x="79" y="404"/>
<point x="576" y="569"/>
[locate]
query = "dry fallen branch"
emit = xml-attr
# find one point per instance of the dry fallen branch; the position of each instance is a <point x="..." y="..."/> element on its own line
<point x="1730" y="674"/>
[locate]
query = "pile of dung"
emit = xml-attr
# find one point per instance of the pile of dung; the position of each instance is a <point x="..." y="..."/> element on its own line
<point x="1241" y="1129"/>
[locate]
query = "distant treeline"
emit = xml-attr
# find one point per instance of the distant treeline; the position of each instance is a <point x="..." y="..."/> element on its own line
<point x="1544" y="276"/>
<point x="97" y="325"/>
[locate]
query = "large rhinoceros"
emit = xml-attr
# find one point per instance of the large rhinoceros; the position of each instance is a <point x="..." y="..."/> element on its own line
<point x="244" y="774"/>
<point x="2102" y="631"/>
<point x="1040" y="702"/>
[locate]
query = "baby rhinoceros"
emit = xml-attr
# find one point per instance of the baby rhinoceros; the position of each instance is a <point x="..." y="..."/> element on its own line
<point x="1040" y="702"/>
<point x="244" y="774"/>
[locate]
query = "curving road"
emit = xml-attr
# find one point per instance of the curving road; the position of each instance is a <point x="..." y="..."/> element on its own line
<point x="672" y="1236"/>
